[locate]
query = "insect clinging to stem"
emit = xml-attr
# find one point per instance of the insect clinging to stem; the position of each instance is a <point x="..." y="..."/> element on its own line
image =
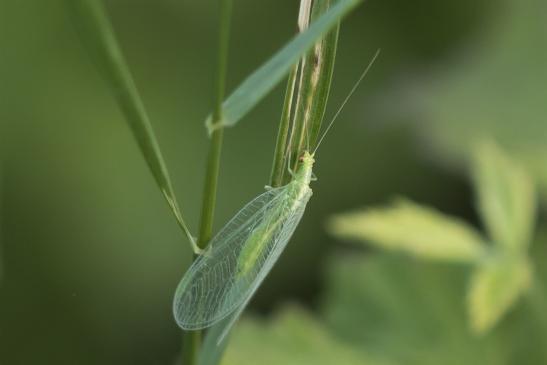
<point x="222" y="280"/>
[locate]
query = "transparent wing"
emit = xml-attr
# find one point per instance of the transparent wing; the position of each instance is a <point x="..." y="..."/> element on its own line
<point x="264" y="267"/>
<point x="213" y="287"/>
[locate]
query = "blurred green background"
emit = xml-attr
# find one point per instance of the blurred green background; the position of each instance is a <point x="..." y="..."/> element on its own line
<point x="90" y="253"/>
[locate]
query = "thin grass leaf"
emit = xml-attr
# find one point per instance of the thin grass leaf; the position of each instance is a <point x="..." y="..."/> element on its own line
<point x="281" y="154"/>
<point x="217" y="338"/>
<point x="264" y="79"/>
<point x="495" y="287"/>
<point x="97" y="35"/>
<point x="506" y="197"/>
<point x="314" y="85"/>
<point x="325" y="54"/>
<point x="410" y="228"/>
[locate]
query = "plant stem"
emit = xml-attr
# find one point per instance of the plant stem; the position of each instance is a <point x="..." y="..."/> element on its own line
<point x="305" y="99"/>
<point x="210" y="189"/>
<point x="282" y="152"/>
<point x="278" y="167"/>
<point x="323" y="66"/>
<point x="314" y="86"/>
<point x="215" y="148"/>
<point x="192" y="340"/>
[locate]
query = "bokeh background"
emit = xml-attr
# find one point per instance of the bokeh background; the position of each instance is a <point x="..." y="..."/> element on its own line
<point x="90" y="255"/>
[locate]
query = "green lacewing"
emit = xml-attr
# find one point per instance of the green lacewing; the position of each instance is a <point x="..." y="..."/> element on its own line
<point x="222" y="280"/>
<point x="242" y="253"/>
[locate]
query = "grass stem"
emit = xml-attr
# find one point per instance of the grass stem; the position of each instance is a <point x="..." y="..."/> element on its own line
<point x="192" y="340"/>
<point x="278" y="167"/>
<point x="305" y="98"/>
<point x="281" y="155"/>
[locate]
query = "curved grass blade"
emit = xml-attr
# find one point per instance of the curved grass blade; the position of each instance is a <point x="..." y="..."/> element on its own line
<point x="217" y="337"/>
<point x="96" y="32"/>
<point x="263" y="80"/>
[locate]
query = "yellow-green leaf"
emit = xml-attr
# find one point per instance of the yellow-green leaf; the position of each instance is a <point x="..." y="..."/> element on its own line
<point x="414" y="229"/>
<point x="506" y="197"/>
<point x="495" y="286"/>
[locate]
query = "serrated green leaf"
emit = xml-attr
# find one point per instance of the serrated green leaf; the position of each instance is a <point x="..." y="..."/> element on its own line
<point x="413" y="229"/>
<point x="97" y="35"/>
<point x="506" y="197"/>
<point x="495" y="287"/>
<point x="264" y="79"/>
<point x="293" y="337"/>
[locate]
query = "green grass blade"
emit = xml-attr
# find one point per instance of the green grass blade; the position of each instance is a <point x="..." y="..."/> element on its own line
<point x="281" y="155"/>
<point x="264" y="79"/>
<point x="216" y="341"/>
<point x="96" y="32"/>
<point x="326" y="52"/>
<point x="314" y="86"/>
<point x="278" y="166"/>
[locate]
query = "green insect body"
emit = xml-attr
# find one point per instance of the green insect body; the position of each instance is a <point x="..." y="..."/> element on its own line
<point x="240" y="256"/>
<point x="253" y="248"/>
<point x="295" y="192"/>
